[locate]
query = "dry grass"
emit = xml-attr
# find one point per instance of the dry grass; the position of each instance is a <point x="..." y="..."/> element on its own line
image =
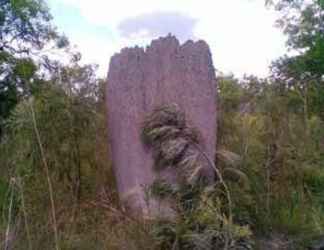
<point x="167" y="133"/>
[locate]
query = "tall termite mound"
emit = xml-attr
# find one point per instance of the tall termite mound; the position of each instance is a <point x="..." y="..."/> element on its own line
<point x="140" y="81"/>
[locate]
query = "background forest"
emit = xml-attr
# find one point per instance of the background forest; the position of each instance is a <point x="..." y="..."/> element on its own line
<point x="56" y="184"/>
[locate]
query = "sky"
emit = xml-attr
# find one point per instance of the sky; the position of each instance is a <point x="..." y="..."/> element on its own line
<point x="241" y="33"/>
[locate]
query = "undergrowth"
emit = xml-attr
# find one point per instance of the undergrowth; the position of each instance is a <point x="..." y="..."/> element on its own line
<point x="269" y="155"/>
<point x="204" y="213"/>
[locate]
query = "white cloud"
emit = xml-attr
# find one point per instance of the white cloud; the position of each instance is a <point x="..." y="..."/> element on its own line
<point x="240" y="32"/>
<point x="158" y="24"/>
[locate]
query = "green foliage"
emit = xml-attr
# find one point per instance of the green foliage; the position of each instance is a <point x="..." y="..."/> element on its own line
<point x="280" y="156"/>
<point x="201" y="223"/>
<point x="303" y="23"/>
<point x="71" y="126"/>
<point x="25" y="29"/>
<point x="25" y="69"/>
<point x="27" y="22"/>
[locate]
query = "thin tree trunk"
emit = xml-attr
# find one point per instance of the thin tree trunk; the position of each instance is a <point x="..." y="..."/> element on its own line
<point x="49" y="182"/>
<point x="228" y="195"/>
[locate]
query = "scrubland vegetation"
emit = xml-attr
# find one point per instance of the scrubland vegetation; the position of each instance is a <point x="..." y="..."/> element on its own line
<point x="57" y="188"/>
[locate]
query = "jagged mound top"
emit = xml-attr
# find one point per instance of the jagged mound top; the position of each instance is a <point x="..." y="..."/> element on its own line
<point x="169" y="43"/>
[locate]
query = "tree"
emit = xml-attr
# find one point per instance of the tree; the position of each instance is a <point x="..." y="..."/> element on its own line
<point x="303" y="23"/>
<point x="54" y="144"/>
<point x="25" y="30"/>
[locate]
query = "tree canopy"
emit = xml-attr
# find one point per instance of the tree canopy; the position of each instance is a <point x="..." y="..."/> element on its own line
<point x="25" y="30"/>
